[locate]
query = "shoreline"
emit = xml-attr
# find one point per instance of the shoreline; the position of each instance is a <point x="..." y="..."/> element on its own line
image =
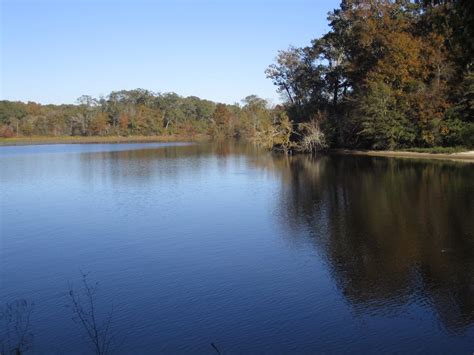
<point x="17" y="141"/>
<point x="466" y="157"/>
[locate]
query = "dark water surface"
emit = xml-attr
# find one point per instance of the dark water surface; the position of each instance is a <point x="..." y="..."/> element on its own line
<point x="200" y="244"/>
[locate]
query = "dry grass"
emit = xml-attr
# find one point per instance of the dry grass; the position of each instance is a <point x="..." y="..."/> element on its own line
<point x="100" y="139"/>
<point x="467" y="156"/>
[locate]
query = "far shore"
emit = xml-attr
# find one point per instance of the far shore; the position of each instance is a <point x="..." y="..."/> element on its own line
<point x="463" y="156"/>
<point x="101" y="139"/>
<point x="467" y="156"/>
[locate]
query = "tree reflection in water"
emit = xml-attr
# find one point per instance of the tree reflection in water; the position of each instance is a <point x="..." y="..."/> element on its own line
<point x="392" y="231"/>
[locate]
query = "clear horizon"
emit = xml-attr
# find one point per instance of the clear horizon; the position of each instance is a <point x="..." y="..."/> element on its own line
<point x="55" y="51"/>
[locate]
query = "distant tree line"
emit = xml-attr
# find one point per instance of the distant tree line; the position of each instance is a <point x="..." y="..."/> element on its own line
<point x="137" y="112"/>
<point x="389" y="74"/>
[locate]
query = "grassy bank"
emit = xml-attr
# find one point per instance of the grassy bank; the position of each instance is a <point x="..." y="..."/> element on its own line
<point x="421" y="153"/>
<point x="100" y="139"/>
<point x="437" y="150"/>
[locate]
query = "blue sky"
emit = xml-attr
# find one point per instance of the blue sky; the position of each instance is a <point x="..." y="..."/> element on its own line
<point x="54" y="51"/>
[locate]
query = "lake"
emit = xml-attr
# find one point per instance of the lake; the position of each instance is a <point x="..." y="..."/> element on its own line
<point x="193" y="244"/>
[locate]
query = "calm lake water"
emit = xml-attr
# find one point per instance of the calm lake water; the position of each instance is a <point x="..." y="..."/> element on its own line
<point x="200" y="244"/>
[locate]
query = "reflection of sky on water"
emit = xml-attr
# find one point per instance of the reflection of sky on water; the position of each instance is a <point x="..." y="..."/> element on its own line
<point x="218" y="243"/>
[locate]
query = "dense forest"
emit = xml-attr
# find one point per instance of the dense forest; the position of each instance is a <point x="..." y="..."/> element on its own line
<point x="388" y="75"/>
